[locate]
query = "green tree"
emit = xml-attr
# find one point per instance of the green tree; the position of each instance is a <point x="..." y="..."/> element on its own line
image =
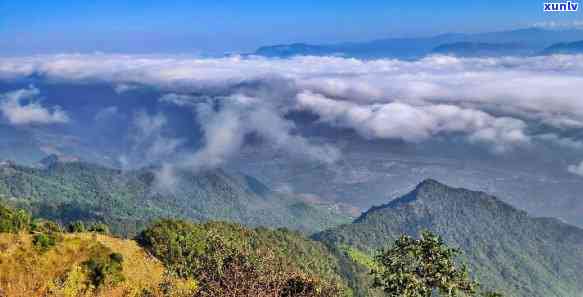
<point x="43" y="242"/>
<point x="421" y="267"/>
<point x="76" y="227"/>
<point x="99" y="228"/>
<point x="14" y="220"/>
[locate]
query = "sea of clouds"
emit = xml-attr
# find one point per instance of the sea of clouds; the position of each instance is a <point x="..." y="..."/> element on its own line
<point x="505" y="104"/>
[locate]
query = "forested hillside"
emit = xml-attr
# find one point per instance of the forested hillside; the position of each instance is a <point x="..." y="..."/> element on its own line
<point x="128" y="200"/>
<point x="506" y="248"/>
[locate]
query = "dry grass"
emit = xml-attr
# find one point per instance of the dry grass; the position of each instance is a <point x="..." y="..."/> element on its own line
<point x="26" y="272"/>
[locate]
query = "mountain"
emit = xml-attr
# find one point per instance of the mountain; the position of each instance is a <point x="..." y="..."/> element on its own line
<point x="532" y="40"/>
<point x="127" y="200"/>
<point x="289" y="50"/>
<point x="480" y="49"/>
<point x="565" y="48"/>
<point x="506" y="249"/>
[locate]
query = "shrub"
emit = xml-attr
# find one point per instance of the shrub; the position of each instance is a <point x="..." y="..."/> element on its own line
<point x="76" y="227"/>
<point x="44" y="226"/>
<point x="43" y="242"/>
<point x="99" y="228"/>
<point x="14" y="221"/>
<point x="178" y="244"/>
<point x="189" y="251"/>
<point x="104" y="270"/>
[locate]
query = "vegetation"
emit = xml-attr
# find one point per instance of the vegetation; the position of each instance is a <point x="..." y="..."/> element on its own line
<point x="13" y="221"/>
<point x="104" y="269"/>
<point x="224" y="264"/>
<point x="214" y="259"/>
<point x="419" y="267"/>
<point x="128" y="200"/>
<point x="505" y="249"/>
<point x="44" y="242"/>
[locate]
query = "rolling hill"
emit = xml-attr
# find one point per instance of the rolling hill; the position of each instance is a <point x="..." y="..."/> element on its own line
<point x="506" y="249"/>
<point x="128" y="200"/>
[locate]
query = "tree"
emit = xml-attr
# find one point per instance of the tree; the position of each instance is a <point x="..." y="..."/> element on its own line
<point x="99" y="228"/>
<point x="420" y="267"/>
<point x="76" y="227"/>
<point x="14" y="220"/>
<point x="191" y="252"/>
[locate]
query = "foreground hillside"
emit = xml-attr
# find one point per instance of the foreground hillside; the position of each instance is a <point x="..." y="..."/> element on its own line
<point x="170" y="258"/>
<point x="507" y="251"/>
<point x="25" y="270"/>
<point x="505" y="248"/>
<point x="127" y="201"/>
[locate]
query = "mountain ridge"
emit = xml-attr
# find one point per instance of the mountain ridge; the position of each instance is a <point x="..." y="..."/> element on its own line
<point x="127" y="200"/>
<point x="506" y="249"/>
<point x="575" y="47"/>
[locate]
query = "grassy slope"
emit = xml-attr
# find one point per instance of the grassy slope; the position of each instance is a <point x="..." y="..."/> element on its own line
<point x="506" y="249"/>
<point x="25" y="271"/>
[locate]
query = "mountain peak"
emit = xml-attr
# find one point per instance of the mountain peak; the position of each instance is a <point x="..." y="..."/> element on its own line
<point x="429" y="183"/>
<point x="54" y="159"/>
<point x="510" y="249"/>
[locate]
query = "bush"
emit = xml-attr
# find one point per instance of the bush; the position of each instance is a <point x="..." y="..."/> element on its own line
<point x="189" y="251"/>
<point x="14" y="221"/>
<point x="76" y="227"/>
<point x="99" y="228"/>
<point x="43" y="242"/>
<point x="43" y="226"/>
<point x="178" y="244"/>
<point x="105" y="270"/>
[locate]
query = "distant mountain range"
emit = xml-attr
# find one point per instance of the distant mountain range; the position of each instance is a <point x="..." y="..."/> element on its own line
<point x="565" y="48"/>
<point x="516" y="42"/>
<point x="505" y="247"/>
<point x="66" y="190"/>
<point x="480" y="49"/>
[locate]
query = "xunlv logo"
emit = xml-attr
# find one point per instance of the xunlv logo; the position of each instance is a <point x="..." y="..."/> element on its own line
<point x="560" y="7"/>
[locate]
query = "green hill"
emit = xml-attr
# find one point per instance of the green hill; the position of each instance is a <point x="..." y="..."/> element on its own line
<point x="128" y="200"/>
<point x="170" y="258"/>
<point x="506" y="249"/>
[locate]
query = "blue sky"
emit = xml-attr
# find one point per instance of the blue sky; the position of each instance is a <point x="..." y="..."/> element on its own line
<point x="218" y="26"/>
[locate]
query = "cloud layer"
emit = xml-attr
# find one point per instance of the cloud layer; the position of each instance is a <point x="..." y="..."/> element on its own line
<point x="504" y="103"/>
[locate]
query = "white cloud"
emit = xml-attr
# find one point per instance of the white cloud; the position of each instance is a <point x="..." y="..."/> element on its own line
<point x="123" y="88"/>
<point x="150" y="141"/>
<point x="106" y="113"/>
<point x="566" y="142"/>
<point x="550" y="86"/>
<point x="22" y="107"/>
<point x="226" y="128"/>
<point x="576" y="169"/>
<point x="495" y="101"/>
<point x="416" y="123"/>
